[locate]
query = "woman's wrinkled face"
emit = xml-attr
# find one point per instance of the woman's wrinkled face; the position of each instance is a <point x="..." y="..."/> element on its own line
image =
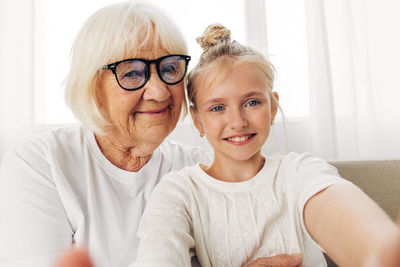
<point x="146" y="115"/>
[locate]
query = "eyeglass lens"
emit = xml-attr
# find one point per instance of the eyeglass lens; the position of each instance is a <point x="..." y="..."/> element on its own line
<point x="133" y="74"/>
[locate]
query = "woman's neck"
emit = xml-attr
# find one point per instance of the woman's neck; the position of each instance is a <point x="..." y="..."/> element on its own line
<point x="130" y="158"/>
<point x="230" y="170"/>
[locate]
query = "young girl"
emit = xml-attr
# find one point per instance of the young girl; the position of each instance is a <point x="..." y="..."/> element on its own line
<point x="245" y="205"/>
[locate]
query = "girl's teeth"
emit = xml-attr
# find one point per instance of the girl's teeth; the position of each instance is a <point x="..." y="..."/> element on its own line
<point x="239" y="139"/>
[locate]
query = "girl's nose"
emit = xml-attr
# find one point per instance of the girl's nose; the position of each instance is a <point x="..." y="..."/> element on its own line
<point x="237" y="120"/>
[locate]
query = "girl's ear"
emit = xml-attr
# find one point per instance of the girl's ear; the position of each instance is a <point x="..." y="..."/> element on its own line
<point x="274" y="105"/>
<point x="196" y="120"/>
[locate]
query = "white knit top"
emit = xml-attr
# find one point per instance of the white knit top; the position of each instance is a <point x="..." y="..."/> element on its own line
<point x="233" y="223"/>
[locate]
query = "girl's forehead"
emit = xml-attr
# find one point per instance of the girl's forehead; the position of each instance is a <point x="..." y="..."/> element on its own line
<point x="233" y="82"/>
<point x="244" y="73"/>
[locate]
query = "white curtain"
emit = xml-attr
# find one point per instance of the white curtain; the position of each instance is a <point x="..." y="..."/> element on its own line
<point x="16" y="71"/>
<point x="354" y="66"/>
<point x="354" y="79"/>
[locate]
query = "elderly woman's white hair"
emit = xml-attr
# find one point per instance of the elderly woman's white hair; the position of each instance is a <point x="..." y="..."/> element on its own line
<point x="113" y="33"/>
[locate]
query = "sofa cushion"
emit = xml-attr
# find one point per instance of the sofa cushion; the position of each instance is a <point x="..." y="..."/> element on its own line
<point x="380" y="180"/>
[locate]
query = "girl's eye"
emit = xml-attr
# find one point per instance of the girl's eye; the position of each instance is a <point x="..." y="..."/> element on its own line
<point x="216" y="109"/>
<point x="252" y="103"/>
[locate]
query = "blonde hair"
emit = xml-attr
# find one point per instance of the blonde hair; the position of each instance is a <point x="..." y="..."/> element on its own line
<point x="219" y="55"/>
<point x="113" y="33"/>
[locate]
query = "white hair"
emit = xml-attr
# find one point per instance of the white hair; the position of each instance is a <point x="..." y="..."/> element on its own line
<point x="113" y="33"/>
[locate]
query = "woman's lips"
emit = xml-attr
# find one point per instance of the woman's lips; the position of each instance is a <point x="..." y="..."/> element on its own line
<point x="240" y="139"/>
<point x="154" y="111"/>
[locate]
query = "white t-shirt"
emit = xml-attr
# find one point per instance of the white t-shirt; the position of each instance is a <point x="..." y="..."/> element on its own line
<point x="59" y="188"/>
<point x="231" y="224"/>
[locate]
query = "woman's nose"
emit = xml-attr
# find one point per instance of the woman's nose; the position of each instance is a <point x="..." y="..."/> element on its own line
<point x="155" y="89"/>
<point x="238" y="120"/>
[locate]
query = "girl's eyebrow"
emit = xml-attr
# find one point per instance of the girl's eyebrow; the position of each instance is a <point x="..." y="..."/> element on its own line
<point x="220" y="99"/>
<point x="253" y="93"/>
<point x="213" y="101"/>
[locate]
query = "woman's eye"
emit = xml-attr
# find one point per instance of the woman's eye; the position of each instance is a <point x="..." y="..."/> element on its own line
<point x="216" y="109"/>
<point x="252" y="103"/>
<point x="133" y="74"/>
<point x="168" y="69"/>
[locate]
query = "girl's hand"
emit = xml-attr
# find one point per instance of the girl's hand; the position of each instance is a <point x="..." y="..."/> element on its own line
<point x="75" y="258"/>
<point x="281" y="260"/>
<point x="389" y="256"/>
<point x="80" y="258"/>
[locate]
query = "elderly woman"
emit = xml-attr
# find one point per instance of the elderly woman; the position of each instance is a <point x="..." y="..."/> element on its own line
<point x="88" y="185"/>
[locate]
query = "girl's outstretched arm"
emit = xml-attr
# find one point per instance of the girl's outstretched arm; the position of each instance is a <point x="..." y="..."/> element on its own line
<point x="349" y="226"/>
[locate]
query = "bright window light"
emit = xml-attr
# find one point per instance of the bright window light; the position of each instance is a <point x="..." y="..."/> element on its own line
<point x="287" y="48"/>
<point x="57" y="23"/>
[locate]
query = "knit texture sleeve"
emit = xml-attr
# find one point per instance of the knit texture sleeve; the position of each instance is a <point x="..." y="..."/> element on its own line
<point x="310" y="175"/>
<point x="307" y="176"/>
<point x="165" y="230"/>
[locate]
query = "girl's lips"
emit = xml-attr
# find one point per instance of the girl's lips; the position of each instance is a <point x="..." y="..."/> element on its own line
<point x="240" y="139"/>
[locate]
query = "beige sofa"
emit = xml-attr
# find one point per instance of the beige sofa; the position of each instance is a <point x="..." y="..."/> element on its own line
<point x="378" y="179"/>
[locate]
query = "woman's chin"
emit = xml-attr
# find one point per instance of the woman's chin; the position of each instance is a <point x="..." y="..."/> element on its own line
<point x="155" y="134"/>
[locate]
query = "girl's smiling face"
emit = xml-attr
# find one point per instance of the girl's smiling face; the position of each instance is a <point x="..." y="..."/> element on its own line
<point x="236" y="114"/>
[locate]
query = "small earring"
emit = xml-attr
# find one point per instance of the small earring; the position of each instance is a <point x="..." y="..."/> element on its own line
<point x="201" y="134"/>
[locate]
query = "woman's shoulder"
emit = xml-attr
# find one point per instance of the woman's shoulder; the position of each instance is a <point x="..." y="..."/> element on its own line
<point x="183" y="176"/>
<point x="187" y="155"/>
<point x="34" y="159"/>
<point x="175" y="146"/>
<point x="37" y="147"/>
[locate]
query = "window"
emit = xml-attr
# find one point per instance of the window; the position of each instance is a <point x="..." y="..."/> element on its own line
<point x="287" y="47"/>
<point x="57" y="23"/>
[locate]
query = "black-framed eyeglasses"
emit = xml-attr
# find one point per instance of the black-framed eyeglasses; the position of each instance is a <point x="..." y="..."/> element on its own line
<point x="133" y="73"/>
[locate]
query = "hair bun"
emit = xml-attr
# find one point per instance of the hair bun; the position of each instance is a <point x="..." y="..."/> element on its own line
<point x="213" y="35"/>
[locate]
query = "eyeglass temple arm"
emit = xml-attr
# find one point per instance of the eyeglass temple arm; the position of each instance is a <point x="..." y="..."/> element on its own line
<point x="108" y="67"/>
